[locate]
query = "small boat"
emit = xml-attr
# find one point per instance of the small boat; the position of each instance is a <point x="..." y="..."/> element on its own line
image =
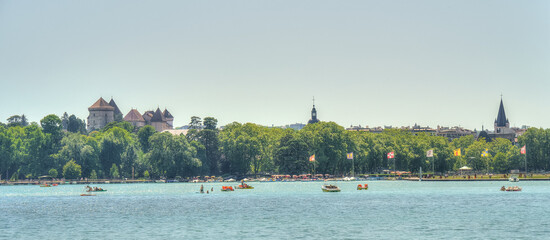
<point x="510" y="189"/>
<point x="330" y="188"/>
<point x="99" y="190"/>
<point x="513" y="179"/>
<point x="244" y="186"/>
<point x="87" y="195"/>
<point x="45" y="185"/>
<point x="364" y="187"/>
<point x="227" y="188"/>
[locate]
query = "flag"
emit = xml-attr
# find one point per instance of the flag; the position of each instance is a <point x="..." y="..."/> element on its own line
<point x="457" y="152"/>
<point x="391" y="155"/>
<point x="430" y="153"/>
<point x="524" y="149"/>
<point x="312" y="158"/>
<point x="485" y="153"/>
<point x="349" y="155"/>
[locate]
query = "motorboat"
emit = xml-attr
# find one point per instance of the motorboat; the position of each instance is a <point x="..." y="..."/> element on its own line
<point x="227" y="188"/>
<point x="364" y="187"/>
<point x="330" y="188"/>
<point x="511" y="189"/>
<point x="513" y="179"/>
<point x="244" y="186"/>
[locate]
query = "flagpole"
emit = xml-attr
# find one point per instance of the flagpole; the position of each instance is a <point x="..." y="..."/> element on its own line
<point x="433" y="166"/>
<point x="525" y="161"/>
<point x="352" y="167"/>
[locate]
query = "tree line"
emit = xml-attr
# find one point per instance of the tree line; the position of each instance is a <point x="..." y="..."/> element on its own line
<point x="61" y="147"/>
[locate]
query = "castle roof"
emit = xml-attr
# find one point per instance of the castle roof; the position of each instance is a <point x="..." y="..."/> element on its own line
<point x="101" y="104"/>
<point x="501" y="120"/>
<point x="134" y="116"/>
<point x="113" y="104"/>
<point x="158" y="116"/>
<point x="167" y="114"/>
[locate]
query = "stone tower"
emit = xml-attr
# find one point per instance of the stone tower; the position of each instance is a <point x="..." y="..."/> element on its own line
<point x="169" y="118"/>
<point x="101" y="113"/>
<point x="158" y="121"/>
<point x="117" y="113"/>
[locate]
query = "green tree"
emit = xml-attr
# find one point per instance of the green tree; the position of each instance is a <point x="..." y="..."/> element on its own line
<point x="52" y="173"/>
<point x="75" y="125"/>
<point x="292" y="155"/>
<point x="114" y="171"/>
<point x="93" y="175"/>
<point x="144" y="134"/>
<point x="15" y="120"/>
<point x="209" y="138"/>
<point x="71" y="170"/>
<point x="172" y="156"/>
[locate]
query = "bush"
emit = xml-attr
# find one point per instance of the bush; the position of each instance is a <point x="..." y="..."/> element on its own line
<point x="71" y="170"/>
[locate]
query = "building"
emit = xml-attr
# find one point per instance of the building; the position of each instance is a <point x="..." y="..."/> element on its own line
<point x="453" y="132"/>
<point x="159" y="122"/>
<point x="101" y="113"/>
<point x="313" y="115"/>
<point x="296" y="126"/>
<point x="135" y="118"/>
<point x="169" y="118"/>
<point x="502" y="126"/>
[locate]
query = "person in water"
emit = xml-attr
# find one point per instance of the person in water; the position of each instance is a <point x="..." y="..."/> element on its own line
<point x="202" y="188"/>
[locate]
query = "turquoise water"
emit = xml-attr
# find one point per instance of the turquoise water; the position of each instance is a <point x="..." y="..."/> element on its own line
<point x="278" y="210"/>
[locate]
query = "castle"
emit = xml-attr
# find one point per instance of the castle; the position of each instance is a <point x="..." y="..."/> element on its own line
<point x="103" y="112"/>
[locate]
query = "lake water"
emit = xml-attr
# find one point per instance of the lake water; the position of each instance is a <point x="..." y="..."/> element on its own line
<point x="278" y="210"/>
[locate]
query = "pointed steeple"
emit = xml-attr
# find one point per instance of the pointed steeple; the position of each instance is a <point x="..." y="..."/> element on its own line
<point x="501" y="120"/>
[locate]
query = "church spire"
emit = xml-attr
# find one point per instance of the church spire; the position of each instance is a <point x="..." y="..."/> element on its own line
<point x="501" y="120"/>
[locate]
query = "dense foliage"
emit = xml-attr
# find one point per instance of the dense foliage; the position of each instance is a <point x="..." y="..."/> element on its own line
<point x="61" y="145"/>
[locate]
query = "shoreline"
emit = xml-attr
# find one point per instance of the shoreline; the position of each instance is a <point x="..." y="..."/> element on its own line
<point x="106" y="181"/>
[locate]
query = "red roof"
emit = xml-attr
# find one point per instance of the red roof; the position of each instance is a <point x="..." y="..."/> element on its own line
<point x="101" y="104"/>
<point x="134" y="116"/>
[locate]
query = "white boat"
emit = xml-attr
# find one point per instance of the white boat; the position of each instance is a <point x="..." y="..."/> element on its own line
<point x="330" y="188"/>
<point x="513" y="178"/>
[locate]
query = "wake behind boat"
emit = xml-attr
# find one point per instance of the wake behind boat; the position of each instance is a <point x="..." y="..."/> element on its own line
<point x="330" y="188"/>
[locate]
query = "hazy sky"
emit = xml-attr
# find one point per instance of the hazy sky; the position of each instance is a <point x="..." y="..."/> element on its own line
<point x="366" y="62"/>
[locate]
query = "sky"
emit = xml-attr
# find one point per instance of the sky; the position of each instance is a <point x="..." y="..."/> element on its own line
<point x="368" y="63"/>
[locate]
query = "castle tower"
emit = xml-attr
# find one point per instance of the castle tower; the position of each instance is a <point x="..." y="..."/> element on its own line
<point x="158" y="121"/>
<point x="169" y="118"/>
<point x="313" y="114"/>
<point x="118" y="113"/>
<point x="135" y="118"/>
<point x="101" y="113"/>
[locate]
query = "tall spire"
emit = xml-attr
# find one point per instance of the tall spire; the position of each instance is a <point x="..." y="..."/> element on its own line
<point x="501" y="120"/>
